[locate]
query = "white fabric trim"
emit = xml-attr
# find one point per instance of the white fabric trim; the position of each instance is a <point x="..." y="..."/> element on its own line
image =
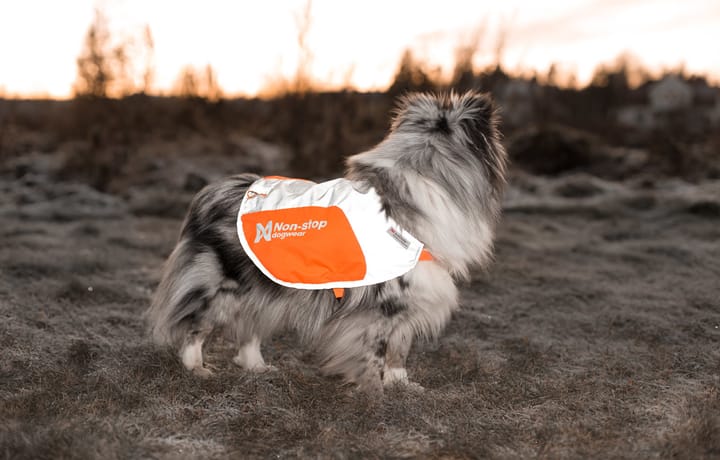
<point x="385" y="256"/>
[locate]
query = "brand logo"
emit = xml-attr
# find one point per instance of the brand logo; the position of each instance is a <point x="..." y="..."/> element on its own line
<point x="282" y="230"/>
<point x="263" y="232"/>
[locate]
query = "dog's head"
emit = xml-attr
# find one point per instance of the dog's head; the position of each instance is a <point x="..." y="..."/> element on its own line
<point x="450" y="139"/>
<point x="460" y="130"/>
<point x="441" y="172"/>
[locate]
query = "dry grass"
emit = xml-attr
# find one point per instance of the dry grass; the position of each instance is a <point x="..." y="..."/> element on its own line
<point x="594" y="335"/>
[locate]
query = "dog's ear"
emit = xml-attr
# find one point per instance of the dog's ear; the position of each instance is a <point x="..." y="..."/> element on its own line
<point x="471" y="114"/>
<point x="475" y="120"/>
<point x="475" y="114"/>
<point x="420" y="112"/>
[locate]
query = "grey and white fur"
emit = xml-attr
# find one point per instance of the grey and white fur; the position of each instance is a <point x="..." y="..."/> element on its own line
<point x="440" y="173"/>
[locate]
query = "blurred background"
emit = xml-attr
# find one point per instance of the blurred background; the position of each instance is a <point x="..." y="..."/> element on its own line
<point x="121" y="93"/>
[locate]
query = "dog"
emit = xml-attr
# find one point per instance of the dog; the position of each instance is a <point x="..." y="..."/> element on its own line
<point x="440" y="173"/>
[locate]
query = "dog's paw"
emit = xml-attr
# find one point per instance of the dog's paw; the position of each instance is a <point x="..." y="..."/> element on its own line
<point x="254" y="366"/>
<point x="202" y="372"/>
<point x="414" y="387"/>
<point x="373" y="389"/>
<point x="263" y="368"/>
<point x="395" y="376"/>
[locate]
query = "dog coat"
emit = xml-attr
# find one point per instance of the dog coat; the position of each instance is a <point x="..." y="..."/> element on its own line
<point x="308" y="235"/>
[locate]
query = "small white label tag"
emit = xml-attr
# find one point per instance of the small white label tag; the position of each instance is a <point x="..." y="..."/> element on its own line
<point x="398" y="237"/>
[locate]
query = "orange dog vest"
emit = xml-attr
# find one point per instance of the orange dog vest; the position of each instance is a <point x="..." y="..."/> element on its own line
<point x="306" y="235"/>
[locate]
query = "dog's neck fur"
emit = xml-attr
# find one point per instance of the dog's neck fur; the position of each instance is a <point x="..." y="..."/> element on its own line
<point x="458" y="238"/>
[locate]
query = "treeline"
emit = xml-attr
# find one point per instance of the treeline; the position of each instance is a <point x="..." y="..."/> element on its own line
<point x="116" y="108"/>
<point x="108" y="67"/>
<point x="112" y="68"/>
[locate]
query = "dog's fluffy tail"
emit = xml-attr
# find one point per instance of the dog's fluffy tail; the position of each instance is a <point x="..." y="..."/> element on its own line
<point x="183" y="291"/>
<point x="193" y="273"/>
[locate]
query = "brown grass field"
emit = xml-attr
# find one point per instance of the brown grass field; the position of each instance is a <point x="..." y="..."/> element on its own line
<point x="595" y="333"/>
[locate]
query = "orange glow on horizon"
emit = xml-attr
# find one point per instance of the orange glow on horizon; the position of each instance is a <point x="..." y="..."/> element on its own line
<point x="360" y="44"/>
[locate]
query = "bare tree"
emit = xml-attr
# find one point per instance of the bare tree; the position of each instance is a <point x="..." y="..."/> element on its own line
<point x="303" y="77"/>
<point x="122" y="84"/>
<point x="148" y="77"/>
<point x="501" y="41"/>
<point x="188" y="83"/>
<point x="195" y="83"/>
<point x="212" y="91"/>
<point x="302" y="81"/>
<point x="94" y="66"/>
<point x="464" y="70"/>
<point x="553" y="75"/>
<point x="410" y="76"/>
<point x="103" y="68"/>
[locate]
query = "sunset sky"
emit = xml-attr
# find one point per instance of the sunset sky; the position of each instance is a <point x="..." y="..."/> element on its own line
<point x="249" y="42"/>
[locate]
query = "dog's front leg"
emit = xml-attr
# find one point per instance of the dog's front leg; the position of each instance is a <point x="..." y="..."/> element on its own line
<point x="249" y="357"/>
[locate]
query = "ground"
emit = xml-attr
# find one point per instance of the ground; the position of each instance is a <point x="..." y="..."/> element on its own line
<point x="594" y="334"/>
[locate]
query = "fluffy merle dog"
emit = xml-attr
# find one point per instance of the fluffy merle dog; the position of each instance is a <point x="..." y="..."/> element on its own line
<point x="440" y="173"/>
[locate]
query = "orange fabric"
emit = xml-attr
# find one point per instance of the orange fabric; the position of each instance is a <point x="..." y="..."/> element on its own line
<point x="310" y="244"/>
<point x="425" y="255"/>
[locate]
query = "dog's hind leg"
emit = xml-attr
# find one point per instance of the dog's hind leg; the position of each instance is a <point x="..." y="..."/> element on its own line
<point x="398" y="348"/>
<point x="249" y="357"/>
<point x="191" y="352"/>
